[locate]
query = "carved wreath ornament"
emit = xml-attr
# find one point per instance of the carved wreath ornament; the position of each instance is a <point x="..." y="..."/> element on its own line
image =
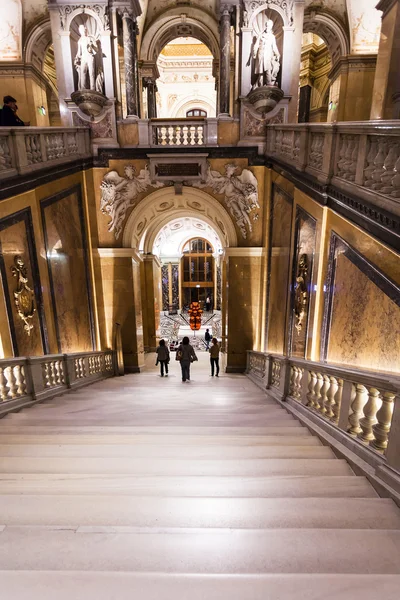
<point x="301" y="293"/>
<point x="24" y="297"/>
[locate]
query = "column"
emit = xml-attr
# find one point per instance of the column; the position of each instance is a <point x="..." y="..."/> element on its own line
<point x="386" y="92"/>
<point x="150" y="85"/>
<point x="291" y="59"/>
<point x="224" y="63"/>
<point x="129" y="30"/>
<point x="152" y="301"/>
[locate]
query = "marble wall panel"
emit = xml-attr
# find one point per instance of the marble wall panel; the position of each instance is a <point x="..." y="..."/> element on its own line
<point x="279" y="269"/>
<point x="67" y="257"/>
<point x="302" y="278"/>
<point x="175" y="285"/>
<point x="362" y="313"/>
<point x="17" y="239"/>
<point x="165" y="286"/>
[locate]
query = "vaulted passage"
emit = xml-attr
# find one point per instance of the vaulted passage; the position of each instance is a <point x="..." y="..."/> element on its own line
<point x="142" y="487"/>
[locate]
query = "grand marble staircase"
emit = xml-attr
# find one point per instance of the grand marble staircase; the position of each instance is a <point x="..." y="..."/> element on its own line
<point x="148" y="488"/>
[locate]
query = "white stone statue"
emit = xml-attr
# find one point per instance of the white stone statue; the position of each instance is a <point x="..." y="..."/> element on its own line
<point x="85" y="60"/>
<point x="241" y="194"/>
<point x="266" y="57"/>
<point x="118" y="193"/>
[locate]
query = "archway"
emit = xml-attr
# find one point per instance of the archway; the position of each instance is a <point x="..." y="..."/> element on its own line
<point x="159" y="228"/>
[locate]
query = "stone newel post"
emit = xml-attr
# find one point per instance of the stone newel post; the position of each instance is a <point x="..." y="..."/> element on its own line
<point x="129" y="29"/>
<point x="224" y="64"/>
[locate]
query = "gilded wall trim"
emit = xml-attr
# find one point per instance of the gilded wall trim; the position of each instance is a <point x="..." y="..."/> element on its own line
<point x="24" y="216"/>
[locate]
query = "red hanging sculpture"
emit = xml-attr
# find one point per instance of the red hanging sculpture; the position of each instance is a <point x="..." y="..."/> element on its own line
<point x="195" y="316"/>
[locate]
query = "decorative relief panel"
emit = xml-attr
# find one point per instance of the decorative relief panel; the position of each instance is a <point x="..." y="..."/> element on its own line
<point x="240" y="194"/>
<point x="284" y="7"/>
<point x="165" y="286"/>
<point x="21" y="286"/>
<point x="362" y="312"/>
<point x="119" y="193"/>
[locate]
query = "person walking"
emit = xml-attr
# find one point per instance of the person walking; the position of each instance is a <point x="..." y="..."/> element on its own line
<point x="163" y="358"/>
<point x="214" y="357"/>
<point x="208" y="304"/>
<point x="185" y="355"/>
<point x="207" y="338"/>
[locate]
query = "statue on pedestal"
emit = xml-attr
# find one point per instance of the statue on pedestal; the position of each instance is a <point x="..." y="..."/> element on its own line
<point x="85" y="60"/>
<point x="266" y="57"/>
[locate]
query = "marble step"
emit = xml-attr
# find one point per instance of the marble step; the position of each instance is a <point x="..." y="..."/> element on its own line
<point x="217" y="487"/>
<point x="171" y="431"/>
<point x="78" y="585"/>
<point x="194" y="451"/>
<point x="225" y="513"/>
<point x="297" y="439"/>
<point x="202" y="551"/>
<point x="176" y="467"/>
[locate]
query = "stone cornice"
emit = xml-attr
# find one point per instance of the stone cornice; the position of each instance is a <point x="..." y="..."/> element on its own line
<point x="353" y="62"/>
<point x="118" y="253"/>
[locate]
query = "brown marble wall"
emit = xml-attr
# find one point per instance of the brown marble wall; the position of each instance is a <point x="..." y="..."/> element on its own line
<point x="16" y="239"/>
<point x="150" y="273"/>
<point x="302" y="282"/>
<point x="245" y="276"/>
<point x="66" y="249"/>
<point x="362" y="313"/>
<point x="279" y="270"/>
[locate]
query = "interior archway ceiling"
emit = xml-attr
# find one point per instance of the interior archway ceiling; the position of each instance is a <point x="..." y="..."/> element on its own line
<point x="169" y="242"/>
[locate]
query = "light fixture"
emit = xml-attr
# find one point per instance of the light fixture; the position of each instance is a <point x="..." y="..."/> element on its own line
<point x="198" y="285"/>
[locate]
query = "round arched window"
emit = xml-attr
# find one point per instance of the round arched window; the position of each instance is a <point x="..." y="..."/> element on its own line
<point x="196" y="112"/>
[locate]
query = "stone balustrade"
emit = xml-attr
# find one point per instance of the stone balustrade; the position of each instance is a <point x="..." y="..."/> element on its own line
<point x="27" y="149"/>
<point x="364" y="407"/>
<point x="24" y="381"/>
<point x="178" y="132"/>
<point x="362" y="158"/>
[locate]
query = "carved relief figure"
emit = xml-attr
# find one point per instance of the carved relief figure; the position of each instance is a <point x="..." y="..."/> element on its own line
<point x="266" y="57"/>
<point x="118" y="193"/>
<point x="85" y="60"/>
<point x="241" y="193"/>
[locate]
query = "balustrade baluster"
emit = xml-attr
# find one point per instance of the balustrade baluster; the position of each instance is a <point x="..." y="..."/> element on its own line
<point x="21" y="381"/>
<point x="356" y="407"/>
<point x="318" y="386"/>
<point x="324" y="394"/>
<point x="292" y="380"/>
<point x="337" y="399"/>
<point x="381" y="429"/>
<point x="4" y="389"/>
<point x="370" y="409"/>
<point x="311" y="388"/>
<point x="46" y="375"/>
<point x="12" y="382"/>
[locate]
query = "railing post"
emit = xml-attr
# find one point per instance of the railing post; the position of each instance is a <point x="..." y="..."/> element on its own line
<point x="211" y="138"/>
<point x="393" y="449"/>
<point x="21" y="158"/>
<point x="69" y="367"/>
<point x="36" y="376"/>
<point x="284" y="381"/>
<point x="268" y="358"/>
<point x="145" y="132"/>
<point x="304" y="386"/>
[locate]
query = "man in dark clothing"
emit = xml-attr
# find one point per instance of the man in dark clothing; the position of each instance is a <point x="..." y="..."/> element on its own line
<point x="8" y="114"/>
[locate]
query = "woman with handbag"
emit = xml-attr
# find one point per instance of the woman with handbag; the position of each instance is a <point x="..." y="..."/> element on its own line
<point x="185" y="355"/>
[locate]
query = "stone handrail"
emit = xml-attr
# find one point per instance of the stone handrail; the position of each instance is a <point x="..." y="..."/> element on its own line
<point x="25" y="381"/>
<point x="362" y="158"/>
<point x="178" y="132"/>
<point x="363" y="407"/>
<point x="28" y="149"/>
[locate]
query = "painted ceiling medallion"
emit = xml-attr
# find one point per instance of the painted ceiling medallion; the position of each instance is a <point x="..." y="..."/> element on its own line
<point x="301" y="293"/>
<point x="24" y="297"/>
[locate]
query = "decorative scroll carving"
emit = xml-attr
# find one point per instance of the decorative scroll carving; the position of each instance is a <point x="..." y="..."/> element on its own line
<point x="258" y="127"/>
<point x="286" y="7"/>
<point x="98" y="9"/>
<point x="118" y="193"/>
<point x="24" y="297"/>
<point x="301" y="293"/>
<point x="241" y="194"/>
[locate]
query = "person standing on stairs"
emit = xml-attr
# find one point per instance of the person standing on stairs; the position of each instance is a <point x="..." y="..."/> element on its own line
<point x="207" y="338"/>
<point x="214" y="357"/>
<point x="163" y="358"/>
<point x="186" y="355"/>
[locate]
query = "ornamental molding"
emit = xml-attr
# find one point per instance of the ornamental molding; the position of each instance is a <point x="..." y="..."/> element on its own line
<point x="284" y="7"/>
<point x="301" y="293"/>
<point x="69" y="11"/>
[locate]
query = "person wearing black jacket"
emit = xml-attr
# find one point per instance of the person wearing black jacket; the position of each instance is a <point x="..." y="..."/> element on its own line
<point x="8" y="114"/>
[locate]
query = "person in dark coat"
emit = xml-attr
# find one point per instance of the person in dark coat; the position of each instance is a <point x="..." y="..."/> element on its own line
<point x="163" y="358"/>
<point x="207" y="338"/>
<point x="8" y="114"/>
